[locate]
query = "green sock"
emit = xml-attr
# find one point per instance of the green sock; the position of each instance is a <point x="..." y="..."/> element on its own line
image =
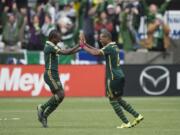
<point x="49" y="110"/>
<point x="128" y="107"/>
<point x="50" y="106"/>
<point x="117" y="108"/>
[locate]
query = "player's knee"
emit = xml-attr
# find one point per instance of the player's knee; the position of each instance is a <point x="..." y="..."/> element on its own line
<point x="114" y="98"/>
<point x="60" y="96"/>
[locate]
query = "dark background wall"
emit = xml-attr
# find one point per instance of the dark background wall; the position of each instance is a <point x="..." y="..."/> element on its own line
<point x="175" y="4"/>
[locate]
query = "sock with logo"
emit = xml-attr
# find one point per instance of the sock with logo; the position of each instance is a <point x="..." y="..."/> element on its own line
<point x="50" y="109"/>
<point x="50" y="105"/>
<point x="117" y="108"/>
<point x="128" y="107"/>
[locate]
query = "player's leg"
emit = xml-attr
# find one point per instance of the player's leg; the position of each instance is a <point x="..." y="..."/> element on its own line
<point x="119" y="111"/>
<point x="48" y="107"/>
<point x="131" y="110"/>
<point x="113" y="98"/>
<point x="126" y="106"/>
<point x="53" y="81"/>
<point x="53" y="103"/>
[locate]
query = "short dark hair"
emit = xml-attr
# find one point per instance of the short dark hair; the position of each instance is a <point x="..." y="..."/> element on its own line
<point x="53" y="34"/>
<point x="106" y="33"/>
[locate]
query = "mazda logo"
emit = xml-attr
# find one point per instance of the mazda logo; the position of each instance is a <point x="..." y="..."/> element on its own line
<point x="147" y="75"/>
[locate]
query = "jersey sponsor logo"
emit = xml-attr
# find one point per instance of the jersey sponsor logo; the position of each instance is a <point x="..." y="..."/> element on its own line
<point x="16" y="81"/>
<point x="155" y="80"/>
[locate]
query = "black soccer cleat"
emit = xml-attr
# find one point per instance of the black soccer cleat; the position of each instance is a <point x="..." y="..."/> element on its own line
<point x="41" y="118"/>
<point x="44" y="122"/>
<point x="39" y="113"/>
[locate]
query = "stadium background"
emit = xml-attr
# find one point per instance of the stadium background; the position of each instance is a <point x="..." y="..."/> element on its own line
<point x="152" y="86"/>
<point x="174" y="5"/>
<point x="133" y="62"/>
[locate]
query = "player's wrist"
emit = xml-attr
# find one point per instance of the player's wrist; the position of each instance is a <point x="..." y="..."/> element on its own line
<point x="82" y="45"/>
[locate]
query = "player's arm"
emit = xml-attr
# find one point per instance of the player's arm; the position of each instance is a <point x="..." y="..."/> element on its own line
<point x="77" y="50"/>
<point x="69" y="50"/>
<point x="93" y="51"/>
<point x="89" y="46"/>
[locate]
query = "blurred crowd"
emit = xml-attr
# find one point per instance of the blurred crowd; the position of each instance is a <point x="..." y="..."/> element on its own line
<point x="133" y="23"/>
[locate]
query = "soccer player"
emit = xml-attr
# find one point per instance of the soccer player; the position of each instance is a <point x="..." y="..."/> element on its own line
<point x="51" y="76"/>
<point x="114" y="77"/>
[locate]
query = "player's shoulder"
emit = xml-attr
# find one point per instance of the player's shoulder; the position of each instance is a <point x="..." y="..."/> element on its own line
<point x="110" y="45"/>
<point x="47" y="47"/>
<point x="113" y="45"/>
<point x="51" y="45"/>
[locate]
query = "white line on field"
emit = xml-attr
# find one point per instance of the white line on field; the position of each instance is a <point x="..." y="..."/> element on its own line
<point x="91" y="99"/>
<point x="9" y="119"/>
<point x="90" y="110"/>
<point x="15" y="118"/>
<point x="3" y="118"/>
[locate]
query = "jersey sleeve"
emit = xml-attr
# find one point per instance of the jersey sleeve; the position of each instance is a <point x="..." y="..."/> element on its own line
<point x="54" y="49"/>
<point x="105" y="50"/>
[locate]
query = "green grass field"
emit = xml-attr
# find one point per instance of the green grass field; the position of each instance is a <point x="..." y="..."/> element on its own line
<point x="89" y="116"/>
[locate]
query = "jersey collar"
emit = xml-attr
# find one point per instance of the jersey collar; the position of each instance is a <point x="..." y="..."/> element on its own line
<point x="111" y="43"/>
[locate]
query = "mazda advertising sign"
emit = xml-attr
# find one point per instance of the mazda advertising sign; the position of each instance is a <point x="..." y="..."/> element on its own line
<point x="152" y="80"/>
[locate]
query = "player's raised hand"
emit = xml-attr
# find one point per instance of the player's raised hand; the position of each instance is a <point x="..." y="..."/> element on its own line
<point x="82" y="40"/>
<point x="82" y="37"/>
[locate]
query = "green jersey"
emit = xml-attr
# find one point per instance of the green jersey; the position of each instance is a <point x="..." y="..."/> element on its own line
<point x="51" y="56"/>
<point x="111" y="53"/>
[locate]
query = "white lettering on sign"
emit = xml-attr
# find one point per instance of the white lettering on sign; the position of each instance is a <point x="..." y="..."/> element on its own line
<point x="17" y="81"/>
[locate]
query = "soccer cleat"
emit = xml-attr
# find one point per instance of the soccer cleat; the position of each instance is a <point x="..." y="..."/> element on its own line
<point x="137" y="120"/>
<point x="39" y="113"/>
<point x="44" y="122"/>
<point x="41" y="117"/>
<point x="124" y="125"/>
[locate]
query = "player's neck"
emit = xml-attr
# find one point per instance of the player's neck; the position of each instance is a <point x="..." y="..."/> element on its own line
<point x="110" y="42"/>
